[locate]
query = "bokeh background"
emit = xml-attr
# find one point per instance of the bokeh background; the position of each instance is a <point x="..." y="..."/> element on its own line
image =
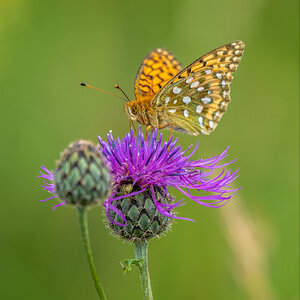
<point x="246" y="250"/>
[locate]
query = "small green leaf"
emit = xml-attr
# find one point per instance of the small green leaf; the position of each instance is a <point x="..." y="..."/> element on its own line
<point x="127" y="264"/>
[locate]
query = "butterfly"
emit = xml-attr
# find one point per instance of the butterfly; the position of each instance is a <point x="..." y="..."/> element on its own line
<point x="190" y="100"/>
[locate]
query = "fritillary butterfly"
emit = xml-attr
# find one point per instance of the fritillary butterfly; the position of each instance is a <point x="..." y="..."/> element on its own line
<point x="191" y="100"/>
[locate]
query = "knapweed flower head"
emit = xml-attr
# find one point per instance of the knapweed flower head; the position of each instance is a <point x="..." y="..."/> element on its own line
<point x="81" y="177"/>
<point x="139" y="165"/>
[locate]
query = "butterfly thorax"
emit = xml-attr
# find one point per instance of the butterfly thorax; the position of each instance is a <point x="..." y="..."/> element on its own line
<point x="140" y="110"/>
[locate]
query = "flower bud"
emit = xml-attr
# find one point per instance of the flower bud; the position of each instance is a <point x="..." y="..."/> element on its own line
<point x="144" y="221"/>
<point x="81" y="177"/>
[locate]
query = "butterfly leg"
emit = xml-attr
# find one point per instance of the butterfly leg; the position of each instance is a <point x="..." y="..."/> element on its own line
<point x="171" y="130"/>
<point x="166" y="125"/>
<point x="147" y="130"/>
<point x="131" y="125"/>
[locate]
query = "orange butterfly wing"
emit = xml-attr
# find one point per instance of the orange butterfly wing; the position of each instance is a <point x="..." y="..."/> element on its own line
<point x="158" y="68"/>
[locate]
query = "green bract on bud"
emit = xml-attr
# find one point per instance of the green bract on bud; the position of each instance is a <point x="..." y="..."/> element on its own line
<point x="144" y="221"/>
<point x="81" y="177"/>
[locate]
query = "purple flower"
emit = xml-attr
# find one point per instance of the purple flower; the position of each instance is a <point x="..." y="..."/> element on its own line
<point x="49" y="185"/>
<point x="164" y="164"/>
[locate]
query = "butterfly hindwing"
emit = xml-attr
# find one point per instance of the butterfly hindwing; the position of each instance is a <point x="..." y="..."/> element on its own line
<point x="195" y="104"/>
<point x="158" y="68"/>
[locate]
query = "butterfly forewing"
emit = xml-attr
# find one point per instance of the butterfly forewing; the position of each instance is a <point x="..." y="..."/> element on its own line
<point x="195" y="99"/>
<point x="158" y="68"/>
<point x="225" y="59"/>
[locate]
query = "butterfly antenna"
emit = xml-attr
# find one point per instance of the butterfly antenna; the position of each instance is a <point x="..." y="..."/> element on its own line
<point x="89" y="86"/>
<point x="117" y="87"/>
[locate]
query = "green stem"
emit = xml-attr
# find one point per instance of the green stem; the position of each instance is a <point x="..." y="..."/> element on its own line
<point x="141" y="252"/>
<point x="82" y="217"/>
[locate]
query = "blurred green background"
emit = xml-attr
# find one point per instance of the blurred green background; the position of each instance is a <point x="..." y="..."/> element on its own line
<point x="246" y="250"/>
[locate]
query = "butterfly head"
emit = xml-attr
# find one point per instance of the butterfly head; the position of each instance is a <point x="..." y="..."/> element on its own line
<point x="133" y="111"/>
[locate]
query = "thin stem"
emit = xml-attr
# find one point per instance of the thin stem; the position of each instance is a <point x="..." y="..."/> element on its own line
<point x="82" y="217"/>
<point x="141" y="252"/>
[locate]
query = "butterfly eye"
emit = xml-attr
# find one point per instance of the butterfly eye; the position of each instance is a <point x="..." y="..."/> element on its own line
<point x="135" y="109"/>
